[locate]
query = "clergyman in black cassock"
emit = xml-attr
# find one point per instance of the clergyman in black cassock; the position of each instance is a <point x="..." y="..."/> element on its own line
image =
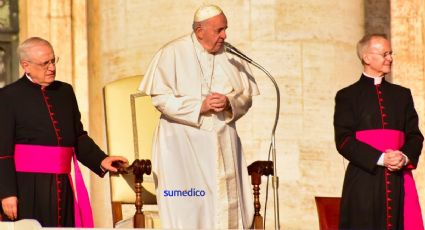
<point x="371" y="115"/>
<point x="37" y="112"/>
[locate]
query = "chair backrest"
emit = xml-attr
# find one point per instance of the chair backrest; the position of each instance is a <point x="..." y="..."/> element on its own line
<point x="328" y="212"/>
<point x="131" y="120"/>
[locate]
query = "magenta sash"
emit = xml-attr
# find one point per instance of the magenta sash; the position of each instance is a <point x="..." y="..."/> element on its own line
<point x="383" y="139"/>
<point x="57" y="160"/>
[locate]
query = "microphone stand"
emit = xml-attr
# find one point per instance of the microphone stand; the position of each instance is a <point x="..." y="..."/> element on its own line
<point x="275" y="179"/>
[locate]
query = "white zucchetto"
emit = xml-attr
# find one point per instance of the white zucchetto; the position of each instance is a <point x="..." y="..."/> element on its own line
<point x="205" y="12"/>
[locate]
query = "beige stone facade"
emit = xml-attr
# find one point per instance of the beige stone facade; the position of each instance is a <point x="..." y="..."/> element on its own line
<point x="308" y="46"/>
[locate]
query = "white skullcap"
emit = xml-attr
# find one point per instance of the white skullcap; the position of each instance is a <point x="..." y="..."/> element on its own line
<point x="205" y="12"/>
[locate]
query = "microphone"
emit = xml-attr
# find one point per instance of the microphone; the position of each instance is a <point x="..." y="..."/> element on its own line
<point x="275" y="179"/>
<point x="231" y="49"/>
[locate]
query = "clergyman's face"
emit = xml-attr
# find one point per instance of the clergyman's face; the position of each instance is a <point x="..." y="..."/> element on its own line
<point x="378" y="57"/>
<point x="40" y="64"/>
<point x="212" y="33"/>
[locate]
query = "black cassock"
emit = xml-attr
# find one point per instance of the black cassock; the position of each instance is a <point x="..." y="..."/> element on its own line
<point x="31" y="115"/>
<point x="366" y="106"/>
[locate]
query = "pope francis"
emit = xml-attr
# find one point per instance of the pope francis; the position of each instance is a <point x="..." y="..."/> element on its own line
<point x="200" y="90"/>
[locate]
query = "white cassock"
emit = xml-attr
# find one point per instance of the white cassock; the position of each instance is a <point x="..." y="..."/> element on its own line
<point x="200" y="171"/>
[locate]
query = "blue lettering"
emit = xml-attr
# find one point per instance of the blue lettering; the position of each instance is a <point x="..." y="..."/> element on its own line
<point x="190" y="192"/>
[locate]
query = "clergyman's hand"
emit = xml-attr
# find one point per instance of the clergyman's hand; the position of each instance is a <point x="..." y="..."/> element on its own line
<point x="107" y="162"/>
<point x="219" y="102"/>
<point x="205" y="107"/>
<point x="215" y="102"/>
<point x="394" y="160"/>
<point x="10" y="207"/>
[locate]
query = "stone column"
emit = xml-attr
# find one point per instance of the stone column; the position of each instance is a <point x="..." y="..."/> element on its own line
<point x="407" y="33"/>
<point x="377" y="16"/>
<point x="101" y="202"/>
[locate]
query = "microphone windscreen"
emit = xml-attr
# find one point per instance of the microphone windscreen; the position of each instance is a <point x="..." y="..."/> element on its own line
<point x="231" y="49"/>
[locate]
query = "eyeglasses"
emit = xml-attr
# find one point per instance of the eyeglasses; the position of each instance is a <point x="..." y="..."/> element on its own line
<point x="46" y="64"/>
<point x="385" y="55"/>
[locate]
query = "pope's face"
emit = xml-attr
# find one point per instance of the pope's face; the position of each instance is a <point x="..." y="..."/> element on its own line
<point x="378" y="57"/>
<point x="212" y="33"/>
<point x="40" y="64"/>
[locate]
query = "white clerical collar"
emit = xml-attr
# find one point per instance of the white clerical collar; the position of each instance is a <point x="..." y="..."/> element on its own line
<point x="376" y="80"/>
<point x="29" y="78"/>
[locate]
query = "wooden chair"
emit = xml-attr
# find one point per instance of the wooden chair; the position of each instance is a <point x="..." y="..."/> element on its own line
<point x="328" y="212"/>
<point x="130" y="123"/>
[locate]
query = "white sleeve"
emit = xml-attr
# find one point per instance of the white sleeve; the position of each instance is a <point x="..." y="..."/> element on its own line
<point x="381" y="160"/>
<point x="183" y="109"/>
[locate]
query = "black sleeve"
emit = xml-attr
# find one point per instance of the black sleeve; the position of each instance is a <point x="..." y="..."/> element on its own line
<point x="358" y="153"/>
<point x="8" y="185"/>
<point x="89" y="154"/>
<point x="87" y="151"/>
<point x="413" y="136"/>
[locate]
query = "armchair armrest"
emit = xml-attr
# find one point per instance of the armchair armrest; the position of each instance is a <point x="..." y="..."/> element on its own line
<point x="256" y="170"/>
<point x="138" y="168"/>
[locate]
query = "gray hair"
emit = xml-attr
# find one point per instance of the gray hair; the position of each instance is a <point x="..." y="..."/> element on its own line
<point x="23" y="48"/>
<point x="364" y="44"/>
<point x="196" y="25"/>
